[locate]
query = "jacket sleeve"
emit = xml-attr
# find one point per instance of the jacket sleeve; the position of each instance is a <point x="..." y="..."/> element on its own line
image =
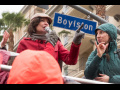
<point x="21" y="47"/>
<point x="69" y="57"/>
<point x="115" y="79"/>
<point x="92" y="66"/>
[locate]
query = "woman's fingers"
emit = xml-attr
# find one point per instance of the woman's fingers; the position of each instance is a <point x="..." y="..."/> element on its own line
<point x="6" y="35"/>
<point x="96" y="45"/>
<point x="102" y="74"/>
<point x="98" y="78"/>
<point x="102" y="45"/>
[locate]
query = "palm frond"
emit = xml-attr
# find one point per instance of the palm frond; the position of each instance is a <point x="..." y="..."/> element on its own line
<point x="14" y="20"/>
<point x="51" y="25"/>
<point x="26" y="22"/>
<point x="2" y="25"/>
<point x="8" y="18"/>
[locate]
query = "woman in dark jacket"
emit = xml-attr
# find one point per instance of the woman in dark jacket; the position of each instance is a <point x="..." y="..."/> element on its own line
<point x="103" y="64"/>
<point x="40" y="39"/>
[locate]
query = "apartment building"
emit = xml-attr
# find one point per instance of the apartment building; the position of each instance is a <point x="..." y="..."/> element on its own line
<point x="112" y="16"/>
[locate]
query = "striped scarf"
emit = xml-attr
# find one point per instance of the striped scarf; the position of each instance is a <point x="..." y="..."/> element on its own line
<point x="35" y="36"/>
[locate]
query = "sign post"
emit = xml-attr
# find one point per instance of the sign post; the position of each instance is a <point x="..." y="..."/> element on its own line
<point x="92" y="15"/>
<point x="73" y="23"/>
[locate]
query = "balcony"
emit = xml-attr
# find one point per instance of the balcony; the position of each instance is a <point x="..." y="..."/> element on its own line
<point x="112" y="10"/>
<point x="86" y="45"/>
<point x="75" y="70"/>
<point x="76" y="13"/>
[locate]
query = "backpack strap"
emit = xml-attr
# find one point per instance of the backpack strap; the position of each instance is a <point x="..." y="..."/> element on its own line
<point x="118" y="52"/>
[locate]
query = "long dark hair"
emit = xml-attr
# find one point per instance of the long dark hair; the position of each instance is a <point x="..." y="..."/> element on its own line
<point x="107" y="55"/>
<point x="32" y="26"/>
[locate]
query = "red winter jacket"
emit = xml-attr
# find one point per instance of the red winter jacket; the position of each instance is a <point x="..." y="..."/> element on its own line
<point x="58" y="52"/>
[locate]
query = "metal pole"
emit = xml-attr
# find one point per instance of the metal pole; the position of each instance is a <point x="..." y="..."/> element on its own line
<point x="92" y="15"/>
<point x="85" y="81"/>
<point x="5" y="67"/>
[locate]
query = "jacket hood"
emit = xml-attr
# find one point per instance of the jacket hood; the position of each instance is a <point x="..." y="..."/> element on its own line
<point x="110" y="29"/>
<point x="35" y="67"/>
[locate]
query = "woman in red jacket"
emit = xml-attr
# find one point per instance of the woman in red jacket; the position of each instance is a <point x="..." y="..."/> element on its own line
<point x="40" y="39"/>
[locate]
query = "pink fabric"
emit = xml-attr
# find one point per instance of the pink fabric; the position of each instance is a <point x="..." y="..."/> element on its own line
<point x="1" y="58"/>
<point x="4" y="57"/>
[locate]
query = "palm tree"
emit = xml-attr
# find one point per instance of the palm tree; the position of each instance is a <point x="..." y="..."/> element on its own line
<point x="100" y="10"/>
<point x="11" y="22"/>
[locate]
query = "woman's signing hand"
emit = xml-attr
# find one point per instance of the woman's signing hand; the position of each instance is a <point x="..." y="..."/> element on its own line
<point x="101" y="47"/>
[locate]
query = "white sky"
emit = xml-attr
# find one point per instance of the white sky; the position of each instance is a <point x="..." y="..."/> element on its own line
<point x="10" y="8"/>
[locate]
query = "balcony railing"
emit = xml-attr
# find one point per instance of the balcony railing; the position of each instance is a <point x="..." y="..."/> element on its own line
<point x="69" y="71"/>
<point x="80" y="80"/>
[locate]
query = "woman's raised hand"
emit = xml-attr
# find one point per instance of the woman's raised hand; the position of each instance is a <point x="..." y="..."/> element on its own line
<point x="5" y="38"/>
<point x="101" y="47"/>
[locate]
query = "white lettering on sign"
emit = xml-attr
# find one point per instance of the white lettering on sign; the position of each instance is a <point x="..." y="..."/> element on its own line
<point x="90" y="26"/>
<point x="86" y="26"/>
<point x="78" y="24"/>
<point x="70" y="23"/>
<point x="74" y="23"/>
<point x="64" y="21"/>
<point x="59" y="20"/>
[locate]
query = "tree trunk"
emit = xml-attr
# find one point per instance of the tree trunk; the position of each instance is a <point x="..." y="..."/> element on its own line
<point x="100" y="10"/>
<point x="11" y="41"/>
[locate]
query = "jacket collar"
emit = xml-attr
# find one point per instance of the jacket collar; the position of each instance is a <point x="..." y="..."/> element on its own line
<point x="31" y="39"/>
<point x="27" y="38"/>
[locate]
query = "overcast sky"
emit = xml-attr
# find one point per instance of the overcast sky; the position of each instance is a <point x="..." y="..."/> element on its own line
<point x="10" y="8"/>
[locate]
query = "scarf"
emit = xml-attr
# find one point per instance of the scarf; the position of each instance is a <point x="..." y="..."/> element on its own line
<point x="35" y="36"/>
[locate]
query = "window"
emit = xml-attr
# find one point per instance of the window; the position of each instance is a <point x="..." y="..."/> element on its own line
<point x="66" y="71"/>
<point x="65" y="9"/>
<point x="107" y="18"/>
<point x="65" y="40"/>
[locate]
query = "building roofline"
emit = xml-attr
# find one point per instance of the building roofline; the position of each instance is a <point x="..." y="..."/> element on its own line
<point x="24" y="7"/>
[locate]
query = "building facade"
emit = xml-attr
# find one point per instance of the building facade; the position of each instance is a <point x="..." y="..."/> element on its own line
<point x="112" y="16"/>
